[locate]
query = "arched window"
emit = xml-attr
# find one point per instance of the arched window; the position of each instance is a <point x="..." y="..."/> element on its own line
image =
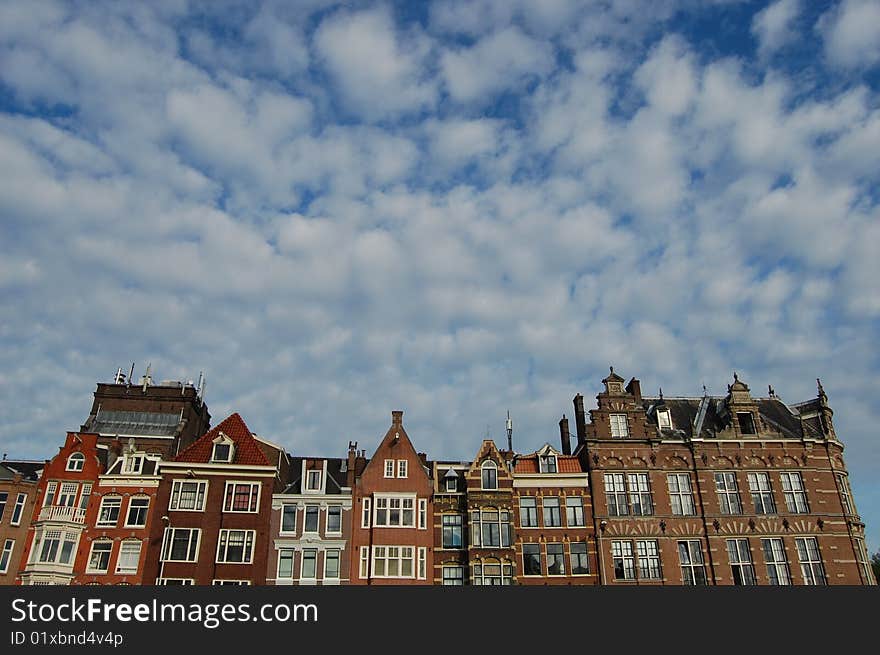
<point x="490" y="474"/>
<point x="75" y="462"/>
<point x="492" y="572"/>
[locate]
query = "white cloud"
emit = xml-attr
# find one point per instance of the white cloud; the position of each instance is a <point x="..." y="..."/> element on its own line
<point x="773" y="28"/>
<point x="851" y="32"/>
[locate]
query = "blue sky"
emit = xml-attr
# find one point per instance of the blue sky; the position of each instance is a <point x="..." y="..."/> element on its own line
<point x="454" y="209"/>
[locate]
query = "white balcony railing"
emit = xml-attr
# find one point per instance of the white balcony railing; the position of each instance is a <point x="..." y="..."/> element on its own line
<point x="60" y="513"/>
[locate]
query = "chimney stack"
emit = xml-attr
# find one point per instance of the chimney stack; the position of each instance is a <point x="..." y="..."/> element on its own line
<point x="397" y="417"/>
<point x="635" y="388"/>
<point x="580" y="419"/>
<point x="565" y="436"/>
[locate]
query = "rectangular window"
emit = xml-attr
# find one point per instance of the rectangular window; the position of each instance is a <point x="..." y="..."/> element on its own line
<point x="4" y="496"/>
<point x="235" y="546"/>
<point x="423" y="563"/>
<point x="230" y="583"/>
<point x="51" y="540"/>
<point x="188" y="495"/>
<point x="531" y="559"/>
<point x="728" y="493"/>
<point x="649" y="559"/>
<point x="241" y="497"/>
<point x="389" y="468"/>
<point x="365" y="514"/>
<point x="528" y="512"/>
<point x="17" y="511"/>
<point x="615" y="494"/>
<point x="177" y="582"/>
<point x="762" y="495"/>
<point x="334" y="519"/>
<point x="690" y="555"/>
<point x="574" y="511"/>
<point x="313" y="480"/>
<point x="393" y="561"/>
<point x="180" y="544"/>
<point x="108" y="514"/>
<point x="309" y="568"/>
<point x="99" y="557"/>
<point x="55" y="546"/>
<point x="452" y="531"/>
<point x="741" y="562"/>
<point x="6" y="555"/>
<point x="84" y="496"/>
<point x="618" y="426"/>
<point x="864" y="561"/>
<point x="664" y="419"/>
<point x="50" y="493"/>
<point x="547" y="463"/>
<point x="552" y="516"/>
<point x="746" y="422"/>
<point x="555" y="560"/>
<point x="365" y="562"/>
<point x="453" y="576"/>
<point x="794" y="493"/>
<point x="401" y="468"/>
<point x="331" y="564"/>
<point x="68" y="548"/>
<point x="777" y="563"/>
<point x="624" y="562"/>
<point x="137" y="512"/>
<point x="580" y="563"/>
<point x="680" y="495"/>
<point x="288" y="518"/>
<point x="451" y="484"/>
<point x="312" y="514"/>
<point x="423" y="513"/>
<point x="67" y="494"/>
<point x="811" y="562"/>
<point x="133" y="464"/>
<point x="129" y="557"/>
<point x="640" y="501"/>
<point x="845" y="494"/>
<point x="285" y="564"/>
<point x="392" y="512"/>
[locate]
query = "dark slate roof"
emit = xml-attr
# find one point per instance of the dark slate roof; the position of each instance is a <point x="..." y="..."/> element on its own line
<point x="29" y="470"/>
<point x="335" y="474"/>
<point x="148" y="424"/>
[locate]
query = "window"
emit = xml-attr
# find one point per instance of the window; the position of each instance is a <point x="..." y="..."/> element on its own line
<point x="794" y="493"/>
<point x="401" y="468"/>
<point x="393" y="512"/>
<point x="334" y="519"/>
<point x="528" y="512"/>
<point x="235" y="546"/>
<point x="423" y="513"/>
<point x="451" y="485"/>
<point x="133" y="464"/>
<point x="777" y="564"/>
<point x="99" y="557"/>
<point x="452" y="531"/>
<point x="6" y="555"/>
<point x="331" y="564"/>
<point x="137" y="512"/>
<point x="241" y="497"/>
<point x="129" y="557"/>
<point x="649" y="559"/>
<point x="492" y="572"/>
<point x="842" y="486"/>
<point x="365" y="514"/>
<point x="746" y="422"/>
<point x="3" y="497"/>
<point x="741" y="562"/>
<point x="624" y="563"/>
<point x="177" y="582"/>
<point x="619" y="428"/>
<point x="490" y="474"/>
<point x="84" y="496"/>
<point x="393" y="561"/>
<point x="75" y="462"/>
<point x="864" y="561"/>
<point x="54" y="546"/>
<point x="313" y="480"/>
<point x="67" y="494"/>
<point x="309" y="568"/>
<point x="15" y="519"/>
<point x="365" y="562"/>
<point x="664" y="419"/>
<point x="50" y="493"/>
<point x="555" y="560"/>
<point x="230" y="583"/>
<point x="285" y="563"/>
<point x="490" y="528"/>
<point x="680" y="495"/>
<point x="811" y="562"/>
<point x="453" y="576"/>
<point x="288" y="518"/>
<point x="552" y="516"/>
<point x="531" y="559"/>
<point x="728" y="493"/>
<point x="188" y="495"/>
<point x="547" y="463"/>
<point x="423" y="562"/>
<point x="615" y="494"/>
<point x="389" y="468"/>
<point x="690" y="555"/>
<point x="312" y="514"/>
<point x="108" y="515"/>
<point x="580" y="564"/>
<point x="574" y="511"/>
<point x="180" y="544"/>
<point x="640" y="501"/>
<point x="759" y="485"/>
<point x="222" y="452"/>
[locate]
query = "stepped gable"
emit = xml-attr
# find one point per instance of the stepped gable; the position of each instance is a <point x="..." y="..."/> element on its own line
<point x="247" y="451"/>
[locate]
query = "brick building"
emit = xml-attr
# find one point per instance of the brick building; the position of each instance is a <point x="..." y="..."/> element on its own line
<point x="18" y="495"/>
<point x="718" y="490"/>
<point x="451" y="530"/>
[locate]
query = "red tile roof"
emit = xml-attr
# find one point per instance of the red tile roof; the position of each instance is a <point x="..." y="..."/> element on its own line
<point x="246" y="449"/>
<point x="564" y="464"/>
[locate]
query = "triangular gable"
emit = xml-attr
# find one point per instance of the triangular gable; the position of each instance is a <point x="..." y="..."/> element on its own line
<point x="488" y="450"/>
<point x="234" y="429"/>
<point x="396" y="445"/>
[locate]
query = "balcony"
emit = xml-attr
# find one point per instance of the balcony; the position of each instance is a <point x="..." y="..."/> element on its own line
<point x="61" y="513"/>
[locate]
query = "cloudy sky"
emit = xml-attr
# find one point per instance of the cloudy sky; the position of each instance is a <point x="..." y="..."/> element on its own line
<point x="451" y="208"/>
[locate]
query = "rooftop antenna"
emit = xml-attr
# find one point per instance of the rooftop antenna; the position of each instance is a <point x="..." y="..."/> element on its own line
<point x="147" y="376"/>
<point x="199" y="388"/>
<point x="130" y="374"/>
<point x="509" y="432"/>
<point x="120" y="378"/>
<point x="204" y="384"/>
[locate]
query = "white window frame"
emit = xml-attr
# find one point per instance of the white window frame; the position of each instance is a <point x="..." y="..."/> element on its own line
<point x="622" y="550"/>
<point x="648" y="561"/>
<point x="51" y="490"/>
<point x="313" y="479"/>
<point x="664" y="419"/>
<point x="146" y="508"/>
<point x="727" y="489"/>
<point x="248" y="545"/>
<point x="545" y="461"/>
<point x="90" y="568"/>
<point x="616" y="498"/>
<point x="75" y="462"/>
<point x="6" y="554"/>
<point x="402" y="468"/>
<point x="547" y="507"/>
<point x="794" y="492"/>
<point x="693" y="563"/>
<point x="739" y="553"/>
<point x="486" y="467"/>
<point x="229" y="502"/>
<point x="558" y="557"/>
<point x="18" y="509"/>
<point x="400" y="554"/>
<point x="528" y="513"/>
<point x="4" y="500"/>
<point x="585" y="554"/>
<point x="864" y="560"/>
<point x="451" y="484"/>
<point x="531" y="547"/>
<point x="201" y="493"/>
<point x="64" y="537"/>
<point x="762" y="492"/>
<point x="310" y="508"/>
<point x="132" y="464"/>
<point x="366" y="513"/>
<point x="223" y="440"/>
<point x="285" y="554"/>
<point x="619" y="426"/>
<point x="363" y="569"/>
<point x="452" y="581"/>
<point x="778" y="571"/>
<point x="482" y="525"/>
<point x="452" y="525"/>
<point x="68" y="491"/>
<point x="423" y="514"/>
<point x="137" y="560"/>
<point x="302" y="564"/>
<point x="336" y="508"/>
<point x="812" y="568"/>
<point x="219" y="582"/>
<point x="849" y="507"/>
<point x="193" y="544"/>
<point x="389" y="468"/>
<point x="184" y="582"/>
<point x="324" y="574"/>
<point x="85" y="492"/>
<point x="422" y="566"/>
<point x="640" y="496"/>
<point x="294" y="509"/>
<point x="681" y="497"/>
<point x="386" y="503"/>
<point x="107" y="502"/>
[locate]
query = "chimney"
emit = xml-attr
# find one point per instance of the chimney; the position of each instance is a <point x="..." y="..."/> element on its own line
<point x="635" y="388"/>
<point x="580" y="419"/>
<point x="423" y="457"/>
<point x="352" y="457"/>
<point x="564" y="434"/>
<point x="397" y="417"/>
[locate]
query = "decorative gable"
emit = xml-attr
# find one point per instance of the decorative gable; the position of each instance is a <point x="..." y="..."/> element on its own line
<point x="230" y="442"/>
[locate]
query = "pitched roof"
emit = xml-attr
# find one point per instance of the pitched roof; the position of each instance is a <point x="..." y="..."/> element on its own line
<point x="28" y="469"/>
<point x="564" y="464"/>
<point x="336" y="476"/>
<point x="246" y="449"/>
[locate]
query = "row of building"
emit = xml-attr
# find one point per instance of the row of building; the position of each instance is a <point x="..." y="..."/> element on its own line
<point x="730" y="490"/>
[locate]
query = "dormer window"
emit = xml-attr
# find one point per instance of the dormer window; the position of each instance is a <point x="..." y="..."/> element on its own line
<point x="133" y="464"/>
<point x="547" y="463"/>
<point x="451" y="485"/>
<point x="619" y="428"/>
<point x="224" y="449"/>
<point x="313" y="480"/>
<point x="490" y="474"/>
<point x="664" y="419"/>
<point x="746" y="422"/>
<point x="76" y="462"/>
